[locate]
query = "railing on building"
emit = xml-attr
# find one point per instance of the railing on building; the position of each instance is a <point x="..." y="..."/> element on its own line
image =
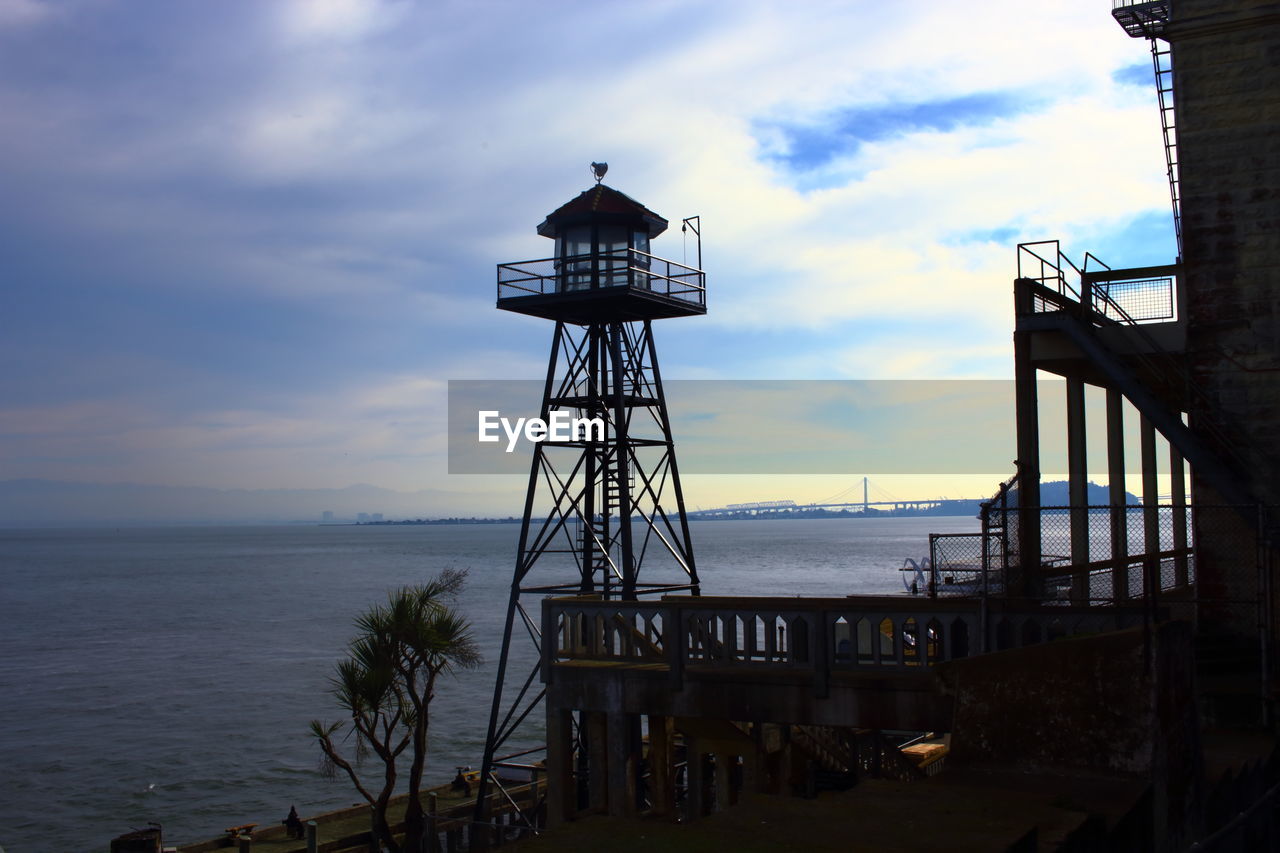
<point x="1141" y="18"/>
<point x="625" y="268"/>
<point x="1127" y="296"/>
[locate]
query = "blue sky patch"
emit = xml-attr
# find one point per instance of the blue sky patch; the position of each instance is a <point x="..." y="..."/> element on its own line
<point x="1138" y="74"/>
<point x="1145" y="240"/>
<point x="808" y="146"/>
<point x="1007" y="235"/>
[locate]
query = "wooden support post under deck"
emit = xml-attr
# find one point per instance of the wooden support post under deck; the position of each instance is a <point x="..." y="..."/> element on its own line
<point x="623" y="763"/>
<point x="598" y="761"/>
<point x="662" y="792"/>
<point x="1117" y="494"/>
<point x="753" y="769"/>
<point x="561" y="792"/>
<point x="752" y="772"/>
<point x="1150" y="509"/>
<point x="724" y="780"/>
<point x="1078" y="487"/>
<point x="695" y="779"/>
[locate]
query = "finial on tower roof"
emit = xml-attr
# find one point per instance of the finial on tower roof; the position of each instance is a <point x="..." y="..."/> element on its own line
<point x="598" y="170"/>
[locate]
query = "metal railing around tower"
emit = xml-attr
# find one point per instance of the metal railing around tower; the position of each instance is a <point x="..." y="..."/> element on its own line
<point x="625" y="268"/>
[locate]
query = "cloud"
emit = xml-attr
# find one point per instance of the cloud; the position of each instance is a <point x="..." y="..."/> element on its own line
<point x="15" y="14"/>
<point x="392" y="431"/>
<point x="329" y="21"/>
<point x="233" y="222"/>
<point x="806" y="147"/>
<point x="1140" y="74"/>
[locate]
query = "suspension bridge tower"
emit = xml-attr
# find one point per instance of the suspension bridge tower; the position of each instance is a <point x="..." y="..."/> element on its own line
<point x="604" y="513"/>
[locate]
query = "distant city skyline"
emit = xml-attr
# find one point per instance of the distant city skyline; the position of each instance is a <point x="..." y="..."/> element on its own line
<point x="248" y="244"/>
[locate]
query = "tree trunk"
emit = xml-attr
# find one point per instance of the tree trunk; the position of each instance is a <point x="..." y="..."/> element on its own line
<point x="414" y="817"/>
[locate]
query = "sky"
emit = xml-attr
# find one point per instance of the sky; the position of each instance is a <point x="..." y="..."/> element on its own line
<point x="247" y="244"/>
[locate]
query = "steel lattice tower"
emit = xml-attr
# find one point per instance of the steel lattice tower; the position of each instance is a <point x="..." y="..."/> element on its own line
<point x="604" y="513"/>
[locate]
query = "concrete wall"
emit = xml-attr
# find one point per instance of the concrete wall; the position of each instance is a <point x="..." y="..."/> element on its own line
<point x="1117" y="704"/>
<point x="1226" y="61"/>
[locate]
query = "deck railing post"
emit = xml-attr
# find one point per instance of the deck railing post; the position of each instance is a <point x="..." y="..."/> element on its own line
<point x="821" y="651"/>
<point x="673" y="643"/>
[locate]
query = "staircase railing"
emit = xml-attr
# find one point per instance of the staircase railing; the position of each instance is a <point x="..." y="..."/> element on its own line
<point x="1044" y="262"/>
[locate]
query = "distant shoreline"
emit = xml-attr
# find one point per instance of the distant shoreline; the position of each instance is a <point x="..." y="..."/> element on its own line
<point x="742" y="515"/>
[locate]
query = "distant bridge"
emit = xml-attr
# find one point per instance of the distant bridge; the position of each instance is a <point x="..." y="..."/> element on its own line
<point x="793" y="508"/>
<point x="786" y="507"/>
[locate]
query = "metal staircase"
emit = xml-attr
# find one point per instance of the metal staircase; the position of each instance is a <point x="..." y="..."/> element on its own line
<point x="1146" y="379"/>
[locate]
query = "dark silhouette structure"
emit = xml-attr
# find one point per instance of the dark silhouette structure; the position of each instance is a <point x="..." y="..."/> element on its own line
<point x="604" y="512"/>
<point x="1131" y="645"/>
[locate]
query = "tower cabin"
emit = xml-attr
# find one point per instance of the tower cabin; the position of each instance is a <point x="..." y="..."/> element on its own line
<point x="602" y="270"/>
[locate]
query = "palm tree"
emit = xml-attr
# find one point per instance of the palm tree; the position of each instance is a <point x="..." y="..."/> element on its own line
<point x="387" y="682"/>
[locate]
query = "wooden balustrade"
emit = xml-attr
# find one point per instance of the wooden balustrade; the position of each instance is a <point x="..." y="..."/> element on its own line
<point x="820" y="636"/>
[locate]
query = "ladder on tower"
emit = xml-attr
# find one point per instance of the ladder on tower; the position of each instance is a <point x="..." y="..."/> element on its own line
<point x="1148" y="20"/>
<point x="596" y="533"/>
<point x="1162" y="63"/>
<point x="597" y="530"/>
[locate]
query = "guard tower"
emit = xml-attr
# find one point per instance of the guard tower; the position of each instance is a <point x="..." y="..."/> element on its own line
<point x="604" y="514"/>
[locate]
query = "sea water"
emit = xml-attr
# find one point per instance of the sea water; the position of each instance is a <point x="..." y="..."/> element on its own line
<point x="169" y="675"/>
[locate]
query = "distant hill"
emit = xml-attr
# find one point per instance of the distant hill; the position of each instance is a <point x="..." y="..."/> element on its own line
<point x="1058" y="493"/>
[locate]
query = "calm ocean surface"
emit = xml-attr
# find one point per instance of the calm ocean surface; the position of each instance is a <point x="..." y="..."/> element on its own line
<point x="168" y="675"/>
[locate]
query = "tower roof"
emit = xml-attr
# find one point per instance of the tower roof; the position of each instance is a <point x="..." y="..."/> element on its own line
<point x="602" y="204"/>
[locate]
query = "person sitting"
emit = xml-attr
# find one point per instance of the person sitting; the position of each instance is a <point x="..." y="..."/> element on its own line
<point x="293" y="824"/>
<point x="460" y="782"/>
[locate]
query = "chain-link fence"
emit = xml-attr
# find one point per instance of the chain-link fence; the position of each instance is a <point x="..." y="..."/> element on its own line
<point x="1207" y="563"/>
<point x="1109" y="554"/>
<point x="1141" y="300"/>
<point x="1102" y="555"/>
<point x="965" y="564"/>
